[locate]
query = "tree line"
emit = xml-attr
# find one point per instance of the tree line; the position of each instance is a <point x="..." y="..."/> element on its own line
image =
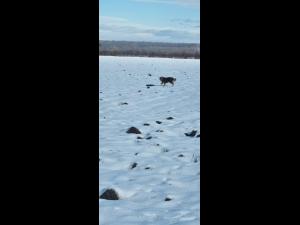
<point x="149" y="49"/>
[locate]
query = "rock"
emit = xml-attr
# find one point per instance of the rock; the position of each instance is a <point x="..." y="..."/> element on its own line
<point x="150" y="85"/>
<point x="133" y="165"/>
<point x="110" y="194"/>
<point x="159" y="131"/>
<point x="149" y="74"/>
<point x="191" y="134"/>
<point x="147" y="168"/>
<point x="167" y="199"/>
<point x="148" y="138"/>
<point x="170" y="118"/>
<point x="123" y="103"/>
<point x="133" y="130"/>
<point x="180" y="155"/>
<point x="139" y="90"/>
<point x="146" y="124"/>
<point x="136" y="153"/>
<point x="198" y="136"/>
<point x="139" y="137"/>
<point x="158" y="122"/>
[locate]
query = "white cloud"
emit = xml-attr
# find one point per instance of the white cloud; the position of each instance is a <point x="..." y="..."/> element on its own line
<point x="186" y="22"/>
<point x="114" y="28"/>
<point x="173" y="2"/>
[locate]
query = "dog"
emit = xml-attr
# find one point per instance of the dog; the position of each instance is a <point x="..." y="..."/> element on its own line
<point x="165" y="80"/>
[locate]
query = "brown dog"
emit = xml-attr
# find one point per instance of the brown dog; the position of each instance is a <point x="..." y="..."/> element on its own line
<point x="165" y="80"/>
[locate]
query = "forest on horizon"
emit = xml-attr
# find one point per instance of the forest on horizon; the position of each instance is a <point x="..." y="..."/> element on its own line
<point x="149" y="49"/>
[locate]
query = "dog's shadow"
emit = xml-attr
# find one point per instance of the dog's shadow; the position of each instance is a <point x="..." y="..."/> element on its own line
<point x="151" y="85"/>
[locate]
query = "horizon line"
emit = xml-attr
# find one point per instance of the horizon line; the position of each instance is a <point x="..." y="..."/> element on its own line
<point x="155" y="42"/>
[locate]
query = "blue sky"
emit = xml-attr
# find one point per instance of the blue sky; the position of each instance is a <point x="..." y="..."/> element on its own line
<point x="150" y="20"/>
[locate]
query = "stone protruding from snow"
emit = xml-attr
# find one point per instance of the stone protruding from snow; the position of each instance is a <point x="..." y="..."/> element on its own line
<point x="133" y="165"/>
<point x="133" y="130"/>
<point x="191" y="134"/>
<point x="110" y="194"/>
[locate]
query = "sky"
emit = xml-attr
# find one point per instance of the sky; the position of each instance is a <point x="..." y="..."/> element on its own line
<point x="150" y="20"/>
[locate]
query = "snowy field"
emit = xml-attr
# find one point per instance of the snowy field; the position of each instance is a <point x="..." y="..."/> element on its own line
<point x="167" y="161"/>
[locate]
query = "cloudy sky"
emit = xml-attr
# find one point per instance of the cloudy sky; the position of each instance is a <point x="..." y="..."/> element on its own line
<point x="150" y="20"/>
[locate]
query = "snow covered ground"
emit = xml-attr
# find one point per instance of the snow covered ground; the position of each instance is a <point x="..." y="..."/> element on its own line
<point x="168" y="161"/>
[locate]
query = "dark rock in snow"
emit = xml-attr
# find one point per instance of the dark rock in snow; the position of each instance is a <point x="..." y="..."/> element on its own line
<point x="148" y="138"/>
<point x="110" y="194"/>
<point x="147" y="168"/>
<point x="158" y="122"/>
<point x="180" y="155"/>
<point x="136" y="153"/>
<point x="139" y="137"/>
<point x="191" y="134"/>
<point x="139" y="90"/>
<point x="146" y="124"/>
<point x="198" y="136"/>
<point x="123" y="103"/>
<point x="167" y="199"/>
<point x="159" y="131"/>
<point x="170" y="118"/>
<point x="133" y="165"/>
<point x="133" y="130"/>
